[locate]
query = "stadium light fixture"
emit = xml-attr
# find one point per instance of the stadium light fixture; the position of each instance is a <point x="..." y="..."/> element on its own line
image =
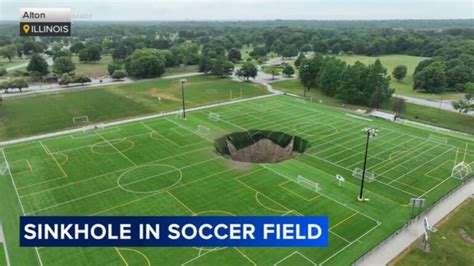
<point x="371" y="133"/>
<point x="182" y="81"/>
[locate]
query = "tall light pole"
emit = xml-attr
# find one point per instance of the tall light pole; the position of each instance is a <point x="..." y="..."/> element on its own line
<point x="182" y="81"/>
<point x="305" y="66"/>
<point x="371" y="133"/>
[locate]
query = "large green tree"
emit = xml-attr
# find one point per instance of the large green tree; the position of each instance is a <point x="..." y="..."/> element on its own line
<point x="330" y="75"/>
<point x="221" y="67"/>
<point x="63" y="65"/>
<point x="248" y="70"/>
<point x="90" y="54"/>
<point x="234" y="55"/>
<point x="145" y="63"/>
<point x="431" y="78"/>
<point x="399" y="72"/>
<point x="8" y="51"/>
<point x="38" y="63"/>
<point x="309" y="71"/>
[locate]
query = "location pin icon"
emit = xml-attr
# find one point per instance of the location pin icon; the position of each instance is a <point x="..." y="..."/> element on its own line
<point x="26" y="28"/>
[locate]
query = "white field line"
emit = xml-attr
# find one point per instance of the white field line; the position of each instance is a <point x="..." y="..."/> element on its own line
<point x="160" y="192"/>
<point x="380" y="153"/>
<point x="359" y="117"/>
<point x="334" y="164"/>
<point x="109" y="173"/>
<point x="129" y="120"/>
<point x="411" y="158"/>
<point x="405" y="152"/>
<point x="377" y="145"/>
<point x="378" y="126"/>
<point x="322" y="194"/>
<point x="4" y="242"/>
<point x="291" y="255"/>
<point x="201" y="255"/>
<point x="350" y="170"/>
<point x="19" y="201"/>
<point x="358" y="147"/>
<point x="421" y="165"/>
<point x="110" y="189"/>
<point x="350" y="244"/>
<point x="307" y="119"/>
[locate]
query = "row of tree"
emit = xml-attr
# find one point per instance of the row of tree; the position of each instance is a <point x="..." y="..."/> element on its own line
<point x="356" y="84"/>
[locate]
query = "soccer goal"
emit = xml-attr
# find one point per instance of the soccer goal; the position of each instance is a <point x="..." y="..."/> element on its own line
<point x="204" y="131"/>
<point x="4" y="168"/>
<point x="303" y="181"/>
<point x="80" y="119"/>
<point x="462" y="170"/>
<point x="369" y="177"/>
<point x="214" y="117"/>
<point x="438" y="139"/>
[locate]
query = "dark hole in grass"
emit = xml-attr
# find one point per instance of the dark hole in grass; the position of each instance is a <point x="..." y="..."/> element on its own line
<point x="260" y="146"/>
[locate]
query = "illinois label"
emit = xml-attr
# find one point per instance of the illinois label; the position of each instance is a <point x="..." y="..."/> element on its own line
<point x="45" y="22"/>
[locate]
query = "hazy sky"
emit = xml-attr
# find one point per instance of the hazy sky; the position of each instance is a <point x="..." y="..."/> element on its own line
<point x="249" y="9"/>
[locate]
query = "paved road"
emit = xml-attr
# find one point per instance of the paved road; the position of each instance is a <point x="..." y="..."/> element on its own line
<point x="49" y="60"/>
<point x="444" y="105"/>
<point x="396" y="245"/>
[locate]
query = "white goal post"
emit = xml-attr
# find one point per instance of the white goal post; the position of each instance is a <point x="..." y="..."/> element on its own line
<point x="462" y="170"/>
<point x="303" y="181"/>
<point x="204" y="131"/>
<point x="4" y="168"/>
<point x="80" y="119"/>
<point x="369" y="177"/>
<point x="439" y="139"/>
<point x="214" y="116"/>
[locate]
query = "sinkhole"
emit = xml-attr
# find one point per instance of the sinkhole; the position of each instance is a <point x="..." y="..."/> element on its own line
<point x="260" y="146"/>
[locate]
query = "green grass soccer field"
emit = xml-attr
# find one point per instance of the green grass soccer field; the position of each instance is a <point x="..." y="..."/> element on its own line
<point x="168" y="166"/>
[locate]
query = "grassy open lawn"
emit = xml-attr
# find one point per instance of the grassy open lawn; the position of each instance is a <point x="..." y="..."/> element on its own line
<point x="15" y="61"/>
<point x="433" y="116"/>
<point x="92" y="69"/>
<point x="406" y="86"/>
<point x="27" y="115"/>
<point x="447" y="245"/>
<point x="3" y="259"/>
<point x="171" y="71"/>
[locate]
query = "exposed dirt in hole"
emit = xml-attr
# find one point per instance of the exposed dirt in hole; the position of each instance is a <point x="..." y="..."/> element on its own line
<point x="260" y="146"/>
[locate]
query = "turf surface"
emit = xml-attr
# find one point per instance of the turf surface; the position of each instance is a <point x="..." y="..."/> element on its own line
<point x="164" y="167"/>
<point x="29" y="115"/>
<point x="428" y="115"/>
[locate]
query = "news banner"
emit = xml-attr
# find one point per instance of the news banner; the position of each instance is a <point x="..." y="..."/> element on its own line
<point x="174" y="231"/>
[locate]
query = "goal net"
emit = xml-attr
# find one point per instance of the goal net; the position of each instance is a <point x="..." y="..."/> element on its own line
<point x="303" y="181"/>
<point x="204" y="131"/>
<point x="214" y="117"/>
<point x="369" y="177"/>
<point x="80" y="119"/>
<point x="179" y="115"/>
<point x="437" y="139"/>
<point x="462" y="170"/>
<point x="4" y="168"/>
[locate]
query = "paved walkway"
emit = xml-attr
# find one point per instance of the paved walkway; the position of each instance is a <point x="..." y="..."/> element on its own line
<point x="47" y="88"/>
<point x="444" y="105"/>
<point x="399" y="243"/>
